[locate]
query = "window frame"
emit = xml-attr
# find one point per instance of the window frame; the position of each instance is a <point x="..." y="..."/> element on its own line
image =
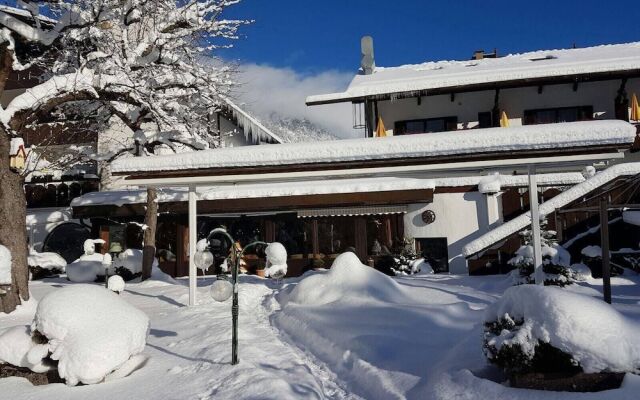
<point x="448" y="122"/>
<point x="529" y="116"/>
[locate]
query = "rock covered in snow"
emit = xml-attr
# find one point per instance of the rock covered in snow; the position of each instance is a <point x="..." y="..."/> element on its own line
<point x="592" y="332"/>
<point x="116" y="284"/>
<point x="92" y="332"/>
<point x="277" y="260"/>
<point x="348" y="278"/>
<point x="5" y="266"/>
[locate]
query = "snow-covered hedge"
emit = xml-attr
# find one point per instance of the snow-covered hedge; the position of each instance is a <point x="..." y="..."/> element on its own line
<point x="546" y="329"/>
<point x="42" y="265"/>
<point x="91" y="332"/>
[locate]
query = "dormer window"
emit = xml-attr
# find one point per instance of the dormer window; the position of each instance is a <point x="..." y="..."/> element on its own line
<point x="429" y="125"/>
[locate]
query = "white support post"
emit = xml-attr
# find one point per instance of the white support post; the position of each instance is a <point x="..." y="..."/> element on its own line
<point x="192" y="245"/>
<point x="535" y="226"/>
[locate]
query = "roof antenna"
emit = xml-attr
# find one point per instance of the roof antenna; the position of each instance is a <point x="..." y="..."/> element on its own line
<point x="367" y="61"/>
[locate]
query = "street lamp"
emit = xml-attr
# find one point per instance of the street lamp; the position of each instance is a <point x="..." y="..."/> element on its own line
<point x="221" y="289"/>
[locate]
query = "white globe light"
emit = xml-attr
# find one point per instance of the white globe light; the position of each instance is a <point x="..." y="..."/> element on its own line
<point x="203" y="259"/>
<point x="221" y="290"/>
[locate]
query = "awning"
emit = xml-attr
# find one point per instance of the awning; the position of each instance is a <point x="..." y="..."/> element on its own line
<point x="352" y="211"/>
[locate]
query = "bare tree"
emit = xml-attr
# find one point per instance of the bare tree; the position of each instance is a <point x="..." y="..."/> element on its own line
<point x="147" y="63"/>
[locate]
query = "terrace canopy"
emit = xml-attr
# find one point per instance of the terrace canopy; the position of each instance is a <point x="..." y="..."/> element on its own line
<point x="402" y="157"/>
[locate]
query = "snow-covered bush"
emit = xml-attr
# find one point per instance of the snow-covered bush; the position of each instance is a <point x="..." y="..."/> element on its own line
<point x="128" y="264"/>
<point x="592" y="258"/>
<point x="393" y="265"/>
<point x="116" y="284"/>
<point x="42" y="265"/>
<point x="20" y="348"/>
<point x="85" y="269"/>
<point x="545" y="329"/>
<point x="276" y="261"/>
<point x="91" y="332"/>
<point x="556" y="261"/>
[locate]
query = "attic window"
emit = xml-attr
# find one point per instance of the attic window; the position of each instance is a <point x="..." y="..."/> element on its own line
<point x="547" y="57"/>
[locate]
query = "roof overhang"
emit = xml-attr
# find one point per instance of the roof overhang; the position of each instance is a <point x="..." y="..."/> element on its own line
<point x="381" y="94"/>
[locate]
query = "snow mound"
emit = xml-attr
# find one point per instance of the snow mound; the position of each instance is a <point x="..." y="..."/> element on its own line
<point x="86" y="268"/>
<point x="17" y="348"/>
<point x="5" y="266"/>
<point x="116" y="284"/>
<point x="592" y="251"/>
<point x="490" y="184"/>
<point x="348" y="278"/>
<point x="631" y="217"/>
<point x="597" y="336"/>
<point x="91" y="331"/>
<point x="581" y="271"/>
<point x="47" y="260"/>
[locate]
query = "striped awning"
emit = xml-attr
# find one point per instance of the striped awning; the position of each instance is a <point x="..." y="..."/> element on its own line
<point x="352" y="211"/>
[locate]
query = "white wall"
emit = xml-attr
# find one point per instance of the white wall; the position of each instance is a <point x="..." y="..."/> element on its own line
<point x="466" y="106"/>
<point x="460" y="217"/>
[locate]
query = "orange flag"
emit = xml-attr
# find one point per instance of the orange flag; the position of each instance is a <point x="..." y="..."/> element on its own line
<point x="380" y="131"/>
<point x="635" y="108"/>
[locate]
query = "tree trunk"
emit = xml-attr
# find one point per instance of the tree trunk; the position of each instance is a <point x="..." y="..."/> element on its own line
<point x="151" y="222"/>
<point x="13" y="229"/>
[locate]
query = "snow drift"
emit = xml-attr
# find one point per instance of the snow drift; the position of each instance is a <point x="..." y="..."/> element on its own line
<point x="92" y="331"/>
<point x="348" y="277"/>
<point x="597" y="336"/>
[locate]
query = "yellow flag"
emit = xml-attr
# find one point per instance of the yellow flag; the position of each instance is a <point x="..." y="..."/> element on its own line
<point x="635" y="108"/>
<point x="504" y="120"/>
<point x="380" y="131"/>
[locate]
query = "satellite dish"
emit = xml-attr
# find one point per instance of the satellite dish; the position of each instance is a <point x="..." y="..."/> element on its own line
<point x="367" y="61"/>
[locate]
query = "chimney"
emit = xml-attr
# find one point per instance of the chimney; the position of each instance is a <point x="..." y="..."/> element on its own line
<point x="478" y="54"/>
<point x="367" y="61"/>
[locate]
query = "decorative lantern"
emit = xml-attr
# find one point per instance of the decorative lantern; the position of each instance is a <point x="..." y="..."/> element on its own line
<point x="221" y="290"/>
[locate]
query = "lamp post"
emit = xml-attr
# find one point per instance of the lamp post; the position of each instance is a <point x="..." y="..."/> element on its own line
<point x="220" y="291"/>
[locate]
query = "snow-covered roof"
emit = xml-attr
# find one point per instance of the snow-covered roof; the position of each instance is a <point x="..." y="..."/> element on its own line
<point x="315" y="187"/>
<point x="455" y="74"/>
<point x="563" y="136"/>
<point x="517" y="224"/>
<point x="252" y="129"/>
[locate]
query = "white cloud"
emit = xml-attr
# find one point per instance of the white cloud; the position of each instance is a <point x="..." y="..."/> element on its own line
<point x="266" y="90"/>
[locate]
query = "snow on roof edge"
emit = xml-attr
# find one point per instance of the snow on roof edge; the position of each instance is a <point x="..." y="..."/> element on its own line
<point x="520" y="138"/>
<point x="249" y="124"/>
<point x="562" y="199"/>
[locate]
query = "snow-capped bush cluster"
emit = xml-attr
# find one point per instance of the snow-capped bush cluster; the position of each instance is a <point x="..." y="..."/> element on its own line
<point x="535" y="328"/>
<point x="42" y="265"/>
<point x="556" y="261"/>
<point x="86" y="332"/>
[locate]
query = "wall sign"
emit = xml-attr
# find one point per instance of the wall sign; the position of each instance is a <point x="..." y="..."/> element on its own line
<point x="428" y="217"/>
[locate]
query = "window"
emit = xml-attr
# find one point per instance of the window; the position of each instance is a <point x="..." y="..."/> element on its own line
<point x="428" y="125"/>
<point x="554" y="115"/>
<point x="485" y="119"/>
<point x="435" y="251"/>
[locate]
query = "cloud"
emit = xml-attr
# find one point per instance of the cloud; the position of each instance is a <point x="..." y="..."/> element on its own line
<point x="266" y="90"/>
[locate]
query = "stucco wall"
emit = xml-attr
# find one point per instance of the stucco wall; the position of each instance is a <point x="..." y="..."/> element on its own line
<point x="460" y="217"/>
<point x="466" y="106"/>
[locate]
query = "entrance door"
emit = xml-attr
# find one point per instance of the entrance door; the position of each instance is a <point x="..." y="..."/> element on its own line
<point x="435" y="251"/>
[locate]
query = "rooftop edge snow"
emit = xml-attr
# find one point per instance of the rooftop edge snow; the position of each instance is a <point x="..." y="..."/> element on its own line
<point x="520" y="138"/>
<point x="531" y="65"/>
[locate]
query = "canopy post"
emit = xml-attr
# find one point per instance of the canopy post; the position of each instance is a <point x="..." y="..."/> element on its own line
<point x="535" y="226"/>
<point x="604" y="237"/>
<point x="192" y="245"/>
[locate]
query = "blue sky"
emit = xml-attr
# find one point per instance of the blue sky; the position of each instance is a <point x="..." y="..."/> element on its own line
<point x="313" y="36"/>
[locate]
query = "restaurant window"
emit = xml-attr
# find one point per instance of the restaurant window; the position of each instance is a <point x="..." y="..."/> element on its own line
<point x="555" y="115"/>
<point x="336" y="235"/>
<point x="428" y="125"/>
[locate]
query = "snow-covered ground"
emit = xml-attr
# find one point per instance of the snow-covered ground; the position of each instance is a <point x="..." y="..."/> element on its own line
<point x="415" y="337"/>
